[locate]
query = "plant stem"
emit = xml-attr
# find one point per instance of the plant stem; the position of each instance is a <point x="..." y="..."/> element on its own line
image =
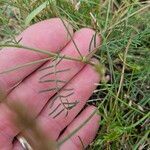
<point x="51" y="54"/>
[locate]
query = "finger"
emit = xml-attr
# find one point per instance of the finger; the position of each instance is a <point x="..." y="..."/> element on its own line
<point x="50" y="35"/>
<point x="83" y="85"/>
<point x="6" y="134"/>
<point x="27" y="92"/>
<point x="83" y="137"/>
<point x="5" y="143"/>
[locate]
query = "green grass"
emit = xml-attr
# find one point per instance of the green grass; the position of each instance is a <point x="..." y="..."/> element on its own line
<point x="124" y="102"/>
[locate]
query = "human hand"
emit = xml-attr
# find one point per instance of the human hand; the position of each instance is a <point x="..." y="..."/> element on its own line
<point x="29" y="87"/>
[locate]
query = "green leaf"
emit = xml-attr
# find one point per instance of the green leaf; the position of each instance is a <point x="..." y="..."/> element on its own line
<point x="35" y="12"/>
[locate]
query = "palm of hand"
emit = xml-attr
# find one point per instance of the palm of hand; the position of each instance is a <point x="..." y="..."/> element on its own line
<point x="75" y="85"/>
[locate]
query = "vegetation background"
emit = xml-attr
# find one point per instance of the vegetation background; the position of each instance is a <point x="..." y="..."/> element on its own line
<point x="124" y="102"/>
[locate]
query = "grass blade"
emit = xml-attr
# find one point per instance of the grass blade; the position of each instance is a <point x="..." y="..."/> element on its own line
<point x="35" y="12"/>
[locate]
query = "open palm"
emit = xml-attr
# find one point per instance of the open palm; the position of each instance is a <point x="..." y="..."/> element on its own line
<point x="32" y="86"/>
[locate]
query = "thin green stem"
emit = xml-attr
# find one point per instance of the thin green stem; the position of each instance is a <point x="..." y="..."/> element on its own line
<point x="49" y="54"/>
<point x="131" y="15"/>
<point x="107" y="16"/>
<point x="138" y="122"/>
<point x="24" y="65"/>
<point x="77" y="129"/>
<point x="72" y="38"/>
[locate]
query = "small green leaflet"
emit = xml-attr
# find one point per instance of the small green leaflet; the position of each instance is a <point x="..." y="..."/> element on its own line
<point x="35" y="12"/>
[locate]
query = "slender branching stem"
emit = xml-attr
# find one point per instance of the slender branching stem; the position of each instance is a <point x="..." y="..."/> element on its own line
<point x="85" y="59"/>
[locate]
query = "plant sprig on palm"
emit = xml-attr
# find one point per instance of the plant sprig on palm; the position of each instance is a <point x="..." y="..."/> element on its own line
<point x="56" y="60"/>
<point x="64" y="102"/>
